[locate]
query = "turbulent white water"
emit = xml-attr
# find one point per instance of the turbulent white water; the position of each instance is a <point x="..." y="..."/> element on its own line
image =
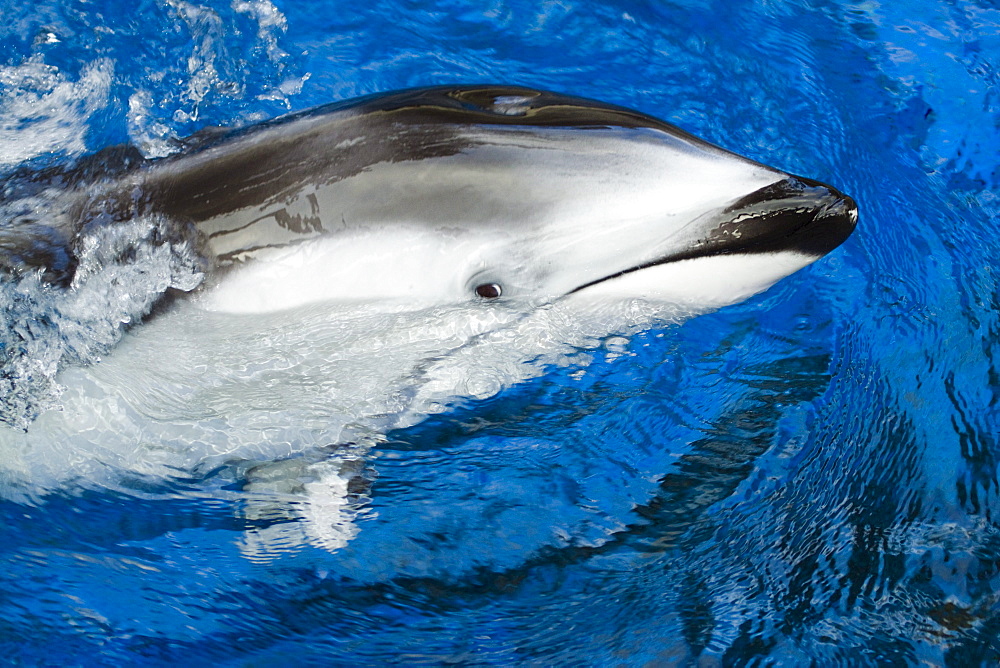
<point x="193" y="389"/>
<point x="34" y="85"/>
<point x="123" y="271"/>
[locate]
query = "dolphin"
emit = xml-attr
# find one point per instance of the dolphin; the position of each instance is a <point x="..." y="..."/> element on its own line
<point x="370" y="261"/>
<point x="452" y="193"/>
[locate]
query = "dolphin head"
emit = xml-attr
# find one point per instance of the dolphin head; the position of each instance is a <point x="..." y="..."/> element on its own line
<point x="410" y="203"/>
<point x="485" y="193"/>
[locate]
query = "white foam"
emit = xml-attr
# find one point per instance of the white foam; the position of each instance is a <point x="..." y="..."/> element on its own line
<point x="270" y="21"/>
<point x="122" y="272"/>
<point x="42" y="110"/>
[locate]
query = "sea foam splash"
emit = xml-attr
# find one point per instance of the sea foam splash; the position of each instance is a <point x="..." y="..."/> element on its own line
<point x="33" y="85"/>
<point x="123" y="270"/>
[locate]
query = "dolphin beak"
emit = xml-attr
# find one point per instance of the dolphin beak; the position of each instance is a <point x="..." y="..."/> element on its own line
<point x="795" y="215"/>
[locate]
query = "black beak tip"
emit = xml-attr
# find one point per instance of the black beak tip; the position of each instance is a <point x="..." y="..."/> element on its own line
<point x="795" y="213"/>
<point x="834" y="222"/>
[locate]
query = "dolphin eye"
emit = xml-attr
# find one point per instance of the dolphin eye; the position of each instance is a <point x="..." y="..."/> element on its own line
<point x="489" y="290"/>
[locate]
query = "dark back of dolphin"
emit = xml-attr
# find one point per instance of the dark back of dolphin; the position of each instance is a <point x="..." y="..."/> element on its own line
<point x="340" y="140"/>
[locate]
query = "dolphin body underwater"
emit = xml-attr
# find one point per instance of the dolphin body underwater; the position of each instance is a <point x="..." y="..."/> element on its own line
<point x="423" y="245"/>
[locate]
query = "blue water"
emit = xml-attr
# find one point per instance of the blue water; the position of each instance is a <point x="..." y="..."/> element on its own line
<point x="808" y="478"/>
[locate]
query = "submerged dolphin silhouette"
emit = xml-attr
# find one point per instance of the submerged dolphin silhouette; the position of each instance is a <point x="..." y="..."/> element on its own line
<point x="397" y="251"/>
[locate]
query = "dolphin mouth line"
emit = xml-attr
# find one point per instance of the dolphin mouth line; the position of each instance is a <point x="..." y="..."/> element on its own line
<point x="795" y="215"/>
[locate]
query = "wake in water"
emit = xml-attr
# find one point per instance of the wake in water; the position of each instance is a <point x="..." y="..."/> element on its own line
<point x="123" y="271"/>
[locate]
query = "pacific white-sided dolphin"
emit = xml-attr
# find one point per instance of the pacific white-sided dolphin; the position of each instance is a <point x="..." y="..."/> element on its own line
<point x="475" y="192"/>
<point x="395" y="252"/>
